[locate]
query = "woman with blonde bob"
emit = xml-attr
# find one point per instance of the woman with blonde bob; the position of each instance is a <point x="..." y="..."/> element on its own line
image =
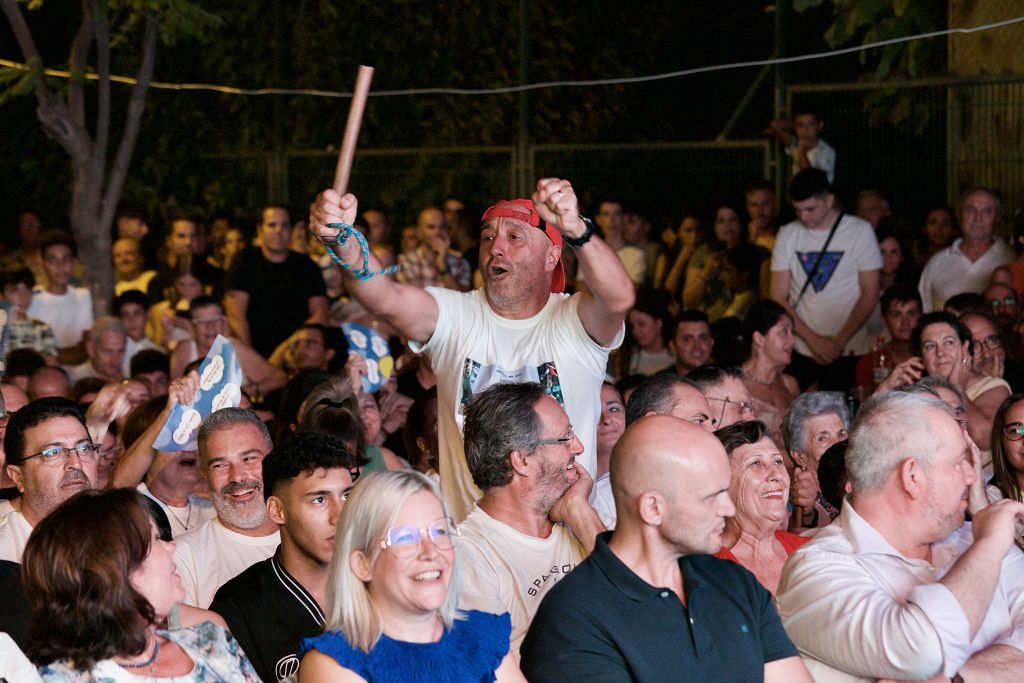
<point x="391" y="599"/>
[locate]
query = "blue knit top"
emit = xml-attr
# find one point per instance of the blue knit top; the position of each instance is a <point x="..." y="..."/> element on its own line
<point x="470" y="652"/>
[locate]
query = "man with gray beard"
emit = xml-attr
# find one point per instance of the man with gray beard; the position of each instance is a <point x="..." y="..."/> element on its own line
<point x="232" y="445"/>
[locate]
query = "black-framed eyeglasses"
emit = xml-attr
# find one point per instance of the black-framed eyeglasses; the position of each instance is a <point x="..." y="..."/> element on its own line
<point x="404" y="540"/>
<point x="742" y="406"/>
<point x="86" y="452"/>
<point x="568" y="438"/>
<point x="1014" y="431"/>
<point x="992" y="342"/>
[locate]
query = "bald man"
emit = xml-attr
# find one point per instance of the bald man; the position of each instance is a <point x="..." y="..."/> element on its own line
<point x="668" y="610"/>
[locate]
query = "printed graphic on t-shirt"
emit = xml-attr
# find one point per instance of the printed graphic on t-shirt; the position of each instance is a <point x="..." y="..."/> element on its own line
<point x="827" y="266"/>
<point x="476" y="377"/>
<point x="553" y="575"/>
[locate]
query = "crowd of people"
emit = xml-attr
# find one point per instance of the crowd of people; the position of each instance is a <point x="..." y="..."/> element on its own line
<point x="745" y="453"/>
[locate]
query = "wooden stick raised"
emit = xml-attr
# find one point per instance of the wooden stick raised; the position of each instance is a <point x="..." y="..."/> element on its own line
<point x="355" y="119"/>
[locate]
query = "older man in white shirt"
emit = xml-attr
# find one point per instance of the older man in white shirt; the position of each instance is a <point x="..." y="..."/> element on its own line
<point x="899" y="586"/>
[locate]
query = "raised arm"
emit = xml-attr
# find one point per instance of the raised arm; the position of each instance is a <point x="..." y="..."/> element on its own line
<point x="609" y="292"/>
<point x="410" y="310"/>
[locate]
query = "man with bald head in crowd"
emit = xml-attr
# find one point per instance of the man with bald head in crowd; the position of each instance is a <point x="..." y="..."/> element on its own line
<point x="668" y="610"/>
<point x="433" y="263"/>
<point x="48" y="381"/>
<point x="669" y="395"/>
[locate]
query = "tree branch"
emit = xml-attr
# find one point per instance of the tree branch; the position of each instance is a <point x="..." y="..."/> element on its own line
<point x="102" y="24"/>
<point x="77" y="64"/>
<point x="133" y="120"/>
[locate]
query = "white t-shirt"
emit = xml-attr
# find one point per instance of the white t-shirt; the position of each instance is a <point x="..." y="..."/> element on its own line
<point x="132" y="347"/>
<point x="604" y="501"/>
<point x="69" y="314"/>
<point x="472" y="348"/>
<point x="14" y="533"/>
<point x="210" y="556"/>
<point x="503" y="570"/>
<point x="199" y="511"/>
<point x="827" y="303"/>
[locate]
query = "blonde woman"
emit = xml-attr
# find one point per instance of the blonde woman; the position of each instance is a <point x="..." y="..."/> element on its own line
<point x="391" y="613"/>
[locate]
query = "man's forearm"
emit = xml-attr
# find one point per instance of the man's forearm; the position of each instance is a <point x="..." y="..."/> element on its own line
<point x="972" y="580"/>
<point x="605" y="276"/>
<point x="585" y="524"/>
<point x="995" y="664"/>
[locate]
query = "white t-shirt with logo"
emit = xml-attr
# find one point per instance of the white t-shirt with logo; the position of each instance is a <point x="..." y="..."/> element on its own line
<point x="503" y="570"/>
<point x="828" y="301"/>
<point x="472" y="348"/>
<point x="210" y="556"/>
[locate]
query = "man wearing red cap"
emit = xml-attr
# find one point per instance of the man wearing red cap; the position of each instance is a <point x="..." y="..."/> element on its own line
<point x="519" y="328"/>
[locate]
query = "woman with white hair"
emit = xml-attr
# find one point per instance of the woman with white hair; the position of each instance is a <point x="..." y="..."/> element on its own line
<point x="391" y="613"/>
<point x="814" y="422"/>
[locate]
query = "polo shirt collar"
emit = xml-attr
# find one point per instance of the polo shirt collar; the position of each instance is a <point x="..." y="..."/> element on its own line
<point x="625" y="579"/>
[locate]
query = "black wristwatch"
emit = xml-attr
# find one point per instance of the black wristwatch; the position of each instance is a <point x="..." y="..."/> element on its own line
<point x="577" y="242"/>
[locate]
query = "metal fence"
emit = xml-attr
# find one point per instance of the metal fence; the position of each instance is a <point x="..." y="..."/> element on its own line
<point x="922" y="143"/>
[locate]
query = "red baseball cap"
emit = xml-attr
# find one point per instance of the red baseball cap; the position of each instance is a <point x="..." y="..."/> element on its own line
<point x="523" y="210"/>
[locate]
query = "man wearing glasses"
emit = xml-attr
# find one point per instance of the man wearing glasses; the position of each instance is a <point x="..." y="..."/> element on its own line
<point x="534" y="523"/>
<point x="274" y="604"/>
<point x="728" y="397"/>
<point x="50" y="457"/>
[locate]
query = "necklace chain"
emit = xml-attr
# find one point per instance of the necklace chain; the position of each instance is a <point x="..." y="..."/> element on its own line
<point x="151" y="662"/>
<point x="188" y="515"/>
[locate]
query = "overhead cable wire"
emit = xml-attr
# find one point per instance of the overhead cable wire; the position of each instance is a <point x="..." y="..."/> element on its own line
<point x="627" y="80"/>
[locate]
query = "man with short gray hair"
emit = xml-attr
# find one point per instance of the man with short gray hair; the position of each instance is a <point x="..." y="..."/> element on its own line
<point x="925" y="593"/>
<point x="232" y="445"/>
<point x="516" y="542"/>
<point x="105" y="348"/>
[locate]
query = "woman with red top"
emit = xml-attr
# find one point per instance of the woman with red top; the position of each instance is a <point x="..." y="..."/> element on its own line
<point x="760" y="490"/>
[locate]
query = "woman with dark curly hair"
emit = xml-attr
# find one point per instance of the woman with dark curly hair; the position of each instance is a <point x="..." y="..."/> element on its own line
<point x="99" y="580"/>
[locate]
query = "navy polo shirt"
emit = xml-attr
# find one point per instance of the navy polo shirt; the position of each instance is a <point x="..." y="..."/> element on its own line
<point x="602" y="622"/>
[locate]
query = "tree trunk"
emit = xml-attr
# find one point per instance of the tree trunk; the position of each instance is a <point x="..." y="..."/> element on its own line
<point x="92" y="234"/>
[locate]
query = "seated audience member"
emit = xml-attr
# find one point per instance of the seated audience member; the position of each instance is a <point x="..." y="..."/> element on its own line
<point x="669" y="395"/>
<point x="107" y="457"/>
<point x="967" y="265"/>
<point x="533" y="522"/>
<point x="901" y="307"/>
<point x="85" y="390"/>
<point x="1004" y="305"/>
<point x="965" y="302"/>
<point x="14" y="399"/>
<point x="609" y="429"/>
<point x="872" y="206"/>
<point x="759" y="489"/>
<point x="21" y="365"/>
<point x="50" y="457"/>
<point x="232" y="445"/>
<point x="946" y="347"/>
<point x="105" y="349"/>
<point x="310" y="346"/>
<point x="651" y="603"/>
<point x="815" y="421"/>
<point x="130" y="307"/>
<point x="768" y="341"/>
<point x="1012" y="273"/>
<point x="381" y="625"/>
<point x="382" y="420"/>
<point x="645" y="349"/>
<point x="762" y="212"/>
<point x="937" y="234"/>
<point x="207" y="318"/>
<point x="691" y="343"/>
<point x="741" y="266"/>
<point x="926" y="595"/>
<point x="432" y="262"/>
<point x="832" y="477"/>
<point x="704" y="288"/>
<point x="130" y="266"/>
<point x="671" y="267"/>
<point x="726" y="394"/>
<point x="152" y="368"/>
<point x="274" y="604"/>
<point x="1007" y="480"/>
<point x="897" y="268"/>
<point x="990" y="354"/>
<point x="100" y="581"/>
<point x="420" y="435"/>
<point x="67" y="309"/>
<point x="49" y="381"/>
<point x="26" y="332"/>
<point x="331" y="407"/>
<point x="169" y="478"/>
<point x="168" y="318"/>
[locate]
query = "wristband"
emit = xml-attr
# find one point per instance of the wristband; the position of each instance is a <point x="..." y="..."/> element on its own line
<point x="577" y="242"/>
